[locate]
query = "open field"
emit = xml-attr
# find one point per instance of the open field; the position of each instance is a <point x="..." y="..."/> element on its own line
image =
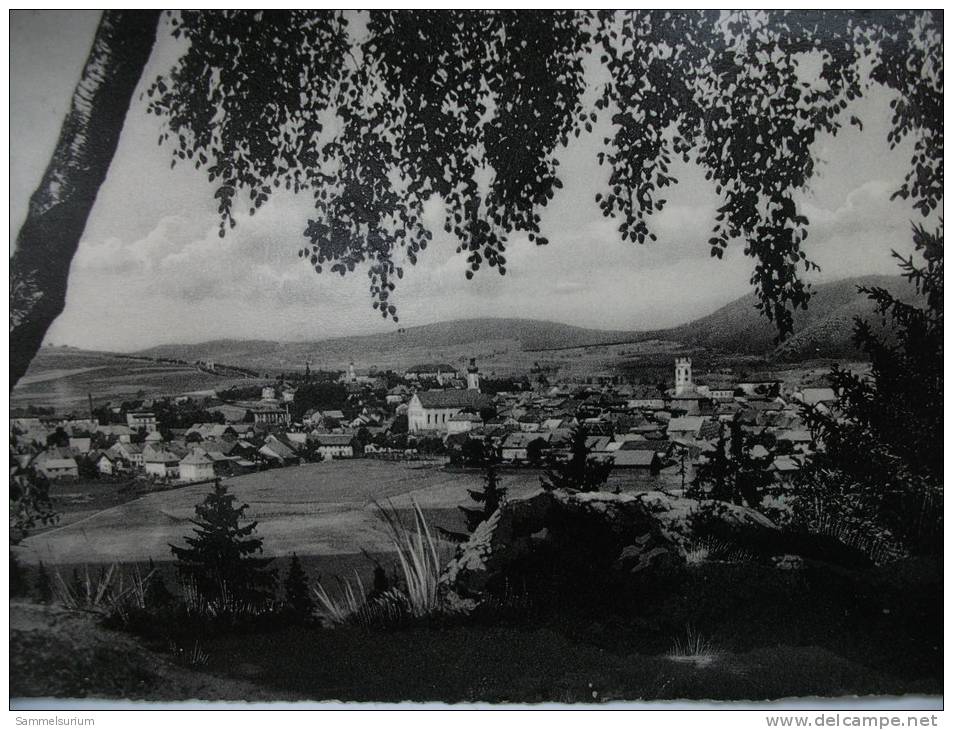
<point x="315" y="509"/>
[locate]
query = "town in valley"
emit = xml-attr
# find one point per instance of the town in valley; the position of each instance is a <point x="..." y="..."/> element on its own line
<point x="652" y="433"/>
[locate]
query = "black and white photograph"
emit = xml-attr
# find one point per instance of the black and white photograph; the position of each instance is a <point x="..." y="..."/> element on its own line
<point x="486" y="358"/>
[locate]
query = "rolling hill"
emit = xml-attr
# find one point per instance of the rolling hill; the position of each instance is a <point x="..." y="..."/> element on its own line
<point x="823" y="330"/>
<point x="452" y="341"/>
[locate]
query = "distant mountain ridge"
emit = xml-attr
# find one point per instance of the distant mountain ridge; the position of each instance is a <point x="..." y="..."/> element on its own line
<point x="823" y="330"/>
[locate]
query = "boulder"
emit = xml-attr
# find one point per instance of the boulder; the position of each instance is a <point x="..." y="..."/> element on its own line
<point x="674" y="514"/>
<point x="561" y="539"/>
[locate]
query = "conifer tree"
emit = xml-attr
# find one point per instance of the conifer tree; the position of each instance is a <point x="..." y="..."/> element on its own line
<point x="493" y="493"/>
<point x="297" y="591"/>
<point x="880" y="472"/>
<point x="582" y="472"/>
<point x="221" y="555"/>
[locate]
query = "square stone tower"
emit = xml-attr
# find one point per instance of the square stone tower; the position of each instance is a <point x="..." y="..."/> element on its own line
<point x="683" y="376"/>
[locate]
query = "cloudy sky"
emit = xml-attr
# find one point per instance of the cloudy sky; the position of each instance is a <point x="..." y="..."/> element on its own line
<point x="151" y="268"/>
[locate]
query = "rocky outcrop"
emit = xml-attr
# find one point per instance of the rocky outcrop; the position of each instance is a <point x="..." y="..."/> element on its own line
<point x="564" y="545"/>
<point x="674" y="515"/>
<point x="742" y="533"/>
<point x="563" y="537"/>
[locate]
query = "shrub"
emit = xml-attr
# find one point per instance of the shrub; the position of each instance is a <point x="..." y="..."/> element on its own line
<point x="297" y="594"/>
<point x="881" y="469"/>
<point x="18" y="582"/>
<point x="44" y="585"/>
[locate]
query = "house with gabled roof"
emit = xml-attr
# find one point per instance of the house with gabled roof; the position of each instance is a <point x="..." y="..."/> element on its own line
<point x="682" y="427"/>
<point x="56" y="464"/>
<point x="196" y="467"/>
<point x="161" y="463"/>
<point x="515" y="446"/>
<point x="129" y="452"/>
<point x="637" y="459"/>
<point x="278" y="450"/>
<point x="337" y="445"/>
<point x="108" y="464"/>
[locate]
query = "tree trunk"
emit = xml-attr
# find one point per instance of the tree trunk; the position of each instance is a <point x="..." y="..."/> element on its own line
<point x="61" y="204"/>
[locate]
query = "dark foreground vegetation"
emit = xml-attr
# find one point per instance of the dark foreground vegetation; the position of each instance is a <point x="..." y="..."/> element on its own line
<point x="719" y="630"/>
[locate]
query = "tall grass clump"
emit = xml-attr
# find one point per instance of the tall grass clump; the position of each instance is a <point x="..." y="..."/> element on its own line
<point x="709" y="549"/>
<point x="110" y="591"/>
<point x="418" y="557"/>
<point x="693" y="649"/>
<point x="223" y="606"/>
<point x="877" y="545"/>
<point x="194" y="657"/>
<point x="415" y="595"/>
<point x="344" y="606"/>
<point x="85" y="592"/>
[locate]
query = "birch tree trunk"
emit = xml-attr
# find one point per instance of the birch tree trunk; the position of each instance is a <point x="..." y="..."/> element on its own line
<point x="60" y="206"/>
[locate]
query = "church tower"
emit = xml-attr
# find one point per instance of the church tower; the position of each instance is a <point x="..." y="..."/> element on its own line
<point x="683" y="376"/>
<point x="351" y="375"/>
<point x="473" y="375"/>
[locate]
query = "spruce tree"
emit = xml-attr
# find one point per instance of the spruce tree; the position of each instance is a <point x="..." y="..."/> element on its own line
<point x="297" y="591"/>
<point x="493" y="493"/>
<point x="582" y="472"/>
<point x="221" y="555"/>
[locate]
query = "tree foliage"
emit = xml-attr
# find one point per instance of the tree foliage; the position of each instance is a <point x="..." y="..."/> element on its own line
<point x="59" y="437"/>
<point x="470" y="110"/>
<point x="731" y="472"/>
<point x="881" y="469"/>
<point x="322" y="395"/>
<point x="221" y="557"/>
<point x="30" y="502"/>
<point x="581" y="471"/>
